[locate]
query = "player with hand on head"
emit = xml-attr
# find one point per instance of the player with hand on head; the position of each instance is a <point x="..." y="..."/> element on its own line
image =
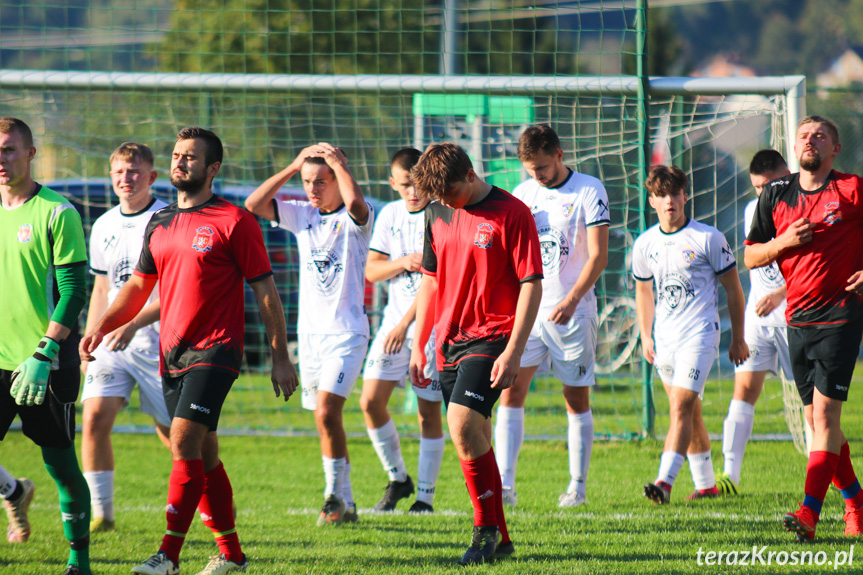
<point x="764" y="332"/>
<point x="686" y="260"/>
<point x="43" y="263"/>
<point x="571" y="215"/>
<point x="200" y="250"/>
<point x="333" y="230"/>
<point x="811" y="224"/>
<point x="480" y="290"/>
<point x="396" y="255"/>
<point x="130" y="354"/>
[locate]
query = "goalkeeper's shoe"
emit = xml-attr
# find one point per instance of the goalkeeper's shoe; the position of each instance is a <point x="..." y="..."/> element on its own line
<point x="157" y="564"/>
<point x="395" y="492"/>
<point x="483" y="545"/>
<point x="659" y="493"/>
<point x="802" y="522"/>
<point x="726" y="485"/>
<point x="220" y="564"/>
<point x="853" y="522"/>
<point x="74" y="570"/>
<point x="16" y="512"/>
<point x="703" y="494"/>
<point x="333" y="511"/>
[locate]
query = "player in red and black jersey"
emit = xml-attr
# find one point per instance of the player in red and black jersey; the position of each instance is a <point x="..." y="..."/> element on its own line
<point x="200" y="250"/>
<point x="816" y="221"/>
<point x="481" y="288"/>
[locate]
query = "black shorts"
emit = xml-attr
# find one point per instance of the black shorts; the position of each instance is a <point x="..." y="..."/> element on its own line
<point x="824" y="359"/>
<point x="198" y="394"/>
<point x="469" y="384"/>
<point x="51" y="424"/>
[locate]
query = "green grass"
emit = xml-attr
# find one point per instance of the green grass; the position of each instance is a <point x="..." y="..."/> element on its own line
<point x="278" y="484"/>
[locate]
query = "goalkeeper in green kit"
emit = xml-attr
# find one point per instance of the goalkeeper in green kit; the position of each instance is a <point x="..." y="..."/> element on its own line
<point x="42" y="263"/>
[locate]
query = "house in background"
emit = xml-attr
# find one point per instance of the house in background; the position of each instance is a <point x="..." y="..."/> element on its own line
<point x="845" y="70"/>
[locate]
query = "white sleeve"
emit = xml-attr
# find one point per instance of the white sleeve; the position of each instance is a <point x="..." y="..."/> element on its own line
<point x="719" y="253"/>
<point x="640" y="268"/>
<point x="381" y="235"/>
<point x="290" y="215"/>
<point x="98" y="261"/>
<point x="596" y="212"/>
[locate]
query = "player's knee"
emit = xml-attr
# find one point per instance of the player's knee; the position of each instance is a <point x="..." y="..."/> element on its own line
<point x="328" y="417"/>
<point x="372" y="405"/>
<point x="97" y="423"/>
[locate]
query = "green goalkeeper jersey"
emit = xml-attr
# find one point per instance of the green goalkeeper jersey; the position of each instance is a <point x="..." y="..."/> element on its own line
<point x="37" y="238"/>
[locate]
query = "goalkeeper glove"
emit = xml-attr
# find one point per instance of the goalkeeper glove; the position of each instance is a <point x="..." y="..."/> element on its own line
<point x="30" y="379"/>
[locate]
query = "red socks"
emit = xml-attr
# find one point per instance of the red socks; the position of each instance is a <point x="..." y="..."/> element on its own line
<point x="218" y="514"/>
<point x="185" y="488"/>
<point x="845" y="480"/>
<point x="819" y="473"/>
<point x="486" y="494"/>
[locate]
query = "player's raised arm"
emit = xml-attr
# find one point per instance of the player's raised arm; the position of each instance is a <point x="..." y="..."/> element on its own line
<point x="756" y="255"/>
<point x="645" y="308"/>
<point x="284" y="374"/>
<point x="352" y="194"/>
<point x="260" y="202"/>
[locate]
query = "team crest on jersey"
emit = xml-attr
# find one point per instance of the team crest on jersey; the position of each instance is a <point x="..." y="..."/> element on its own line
<point x="25" y="233"/>
<point x="326" y="267"/>
<point x="122" y="272"/>
<point x="566" y="209"/>
<point x="771" y="275"/>
<point x="203" y="241"/>
<point x="483" y="237"/>
<point x="688" y="255"/>
<point x="675" y="291"/>
<point x="834" y="214"/>
<point x="554" y="250"/>
<point x="337" y="225"/>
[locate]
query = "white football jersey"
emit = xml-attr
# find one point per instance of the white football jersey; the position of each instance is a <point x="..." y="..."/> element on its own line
<point x="562" y="216"/>
<point x="398" y="233"/>
<point x="763" y="281"/>
<point x="333" y="250"/>
<point x="685" y="267"/>
<point x="116" y="240"/>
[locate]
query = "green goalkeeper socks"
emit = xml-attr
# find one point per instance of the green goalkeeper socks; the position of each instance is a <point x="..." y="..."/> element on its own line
<point x="62" y="465"/>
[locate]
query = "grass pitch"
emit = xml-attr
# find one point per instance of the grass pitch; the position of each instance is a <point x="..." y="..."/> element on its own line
<point x="278" y="484"/>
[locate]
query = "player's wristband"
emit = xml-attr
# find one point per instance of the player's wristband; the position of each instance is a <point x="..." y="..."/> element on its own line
<point x="46" y="350"/>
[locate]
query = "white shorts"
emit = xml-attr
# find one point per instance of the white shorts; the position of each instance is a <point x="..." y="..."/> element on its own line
<point x="382" y="366"/>
<point x="114" y="374"/>
<point x="570" y="348"/>
<point x="330" y="363"/>
<point x="768" y="350"/>
<point x="686" y="368"/>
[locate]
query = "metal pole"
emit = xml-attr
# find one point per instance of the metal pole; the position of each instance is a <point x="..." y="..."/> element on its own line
<point x="643" y="115"/>
<point x="449" y="39"/>
<point x="795" y="110"/>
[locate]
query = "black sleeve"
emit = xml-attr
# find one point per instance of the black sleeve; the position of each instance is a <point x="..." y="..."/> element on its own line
<point x="429" y="255"/>
<point x="763" y="227"/>
<point x="146" y="264"/>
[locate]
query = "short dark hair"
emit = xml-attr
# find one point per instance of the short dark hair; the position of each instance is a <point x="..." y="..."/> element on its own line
<point x="214" y="152"/>
<point x="406" y="158"/>
<point x="827" y="123"/>
<point x="665" y="180"/>
<point x="537" y="139"/>
<point x="318" y="161"/>
<point x="767" y="162"/>
<point x="133" y="151"/>
<point x="440" y="166"/>
<point x="9" y="125"/>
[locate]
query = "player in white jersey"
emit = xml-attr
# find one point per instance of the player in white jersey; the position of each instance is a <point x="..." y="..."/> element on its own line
<point x="396" y="255"/>
<point x="130" y="354"/>
<point x="572" y="218"/>
<point x="765" y="334"/>
<point x="686" y="260"/>
<point x="333" y="231"/>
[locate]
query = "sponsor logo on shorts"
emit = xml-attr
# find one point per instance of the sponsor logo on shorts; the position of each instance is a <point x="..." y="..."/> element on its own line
<point x="842" y="387"/>
<point x="25" y="233"/>
<point x="200" y="408"/>
<point x="483" y="237"/>
<point x="203" y="241"/>
<point x="476" y="396"/>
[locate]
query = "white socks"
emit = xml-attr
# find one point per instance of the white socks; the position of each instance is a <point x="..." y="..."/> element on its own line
<point x="735" y="435"/>
<point x="101" y="485"/>
<point x="508" y="437"/>
<point x="385" y="440"/>
<point x="7" y="483"/>
<point x="580" y="445"/>
<point x="669" y="466"/>
<point x="347" y="488"/>
<point x="334" y="474"/>
<point x="701" y="467"/>
<point x="431" y="455"/>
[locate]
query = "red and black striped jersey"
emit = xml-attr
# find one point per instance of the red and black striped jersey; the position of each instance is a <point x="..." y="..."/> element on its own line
<point x="200" y="256"/>
<point x="480" y="255"/>
<point x="817" y="272"/>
